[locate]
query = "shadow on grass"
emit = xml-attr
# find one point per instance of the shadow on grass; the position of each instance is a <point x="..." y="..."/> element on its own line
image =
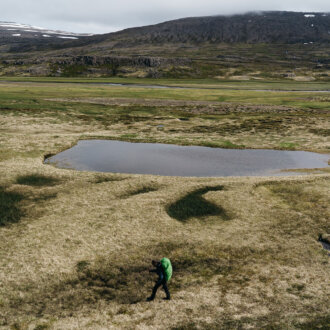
<point x="45" y="197"/>
<point x="125" y="279"/>
<point x="194" y="205"/>
<point x="141" y="190"/>
<point x="10" y="211"/>
<point x="102" y="179"/>
<point x="109" y="278"/>
<point x="37" y="180"/>
<point x="118" y="278"/>
<point x="11" y="205"/>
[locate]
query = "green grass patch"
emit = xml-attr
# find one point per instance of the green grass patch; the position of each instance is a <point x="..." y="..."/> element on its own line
<point x="299" y="197"/>
<point x="203" y="83"/>
<point x="295" y="199"/>
<point x="288" y="145"/>
<point x="141" y="190"/>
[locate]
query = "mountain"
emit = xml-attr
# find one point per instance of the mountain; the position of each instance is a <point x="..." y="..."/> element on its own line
<point x="258" y="27"/>
<point x="11" y="29"/>
<point x="24" y="37"/>
<point x="262" y="27"/>
<point x="221" y="46"/>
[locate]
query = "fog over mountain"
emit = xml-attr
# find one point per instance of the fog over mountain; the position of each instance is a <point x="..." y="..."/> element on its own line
<point x="102" y="16"/>
<point x="257" y="27"/>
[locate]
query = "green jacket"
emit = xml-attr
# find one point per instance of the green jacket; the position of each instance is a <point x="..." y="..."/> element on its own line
<point x="167" y="266"/>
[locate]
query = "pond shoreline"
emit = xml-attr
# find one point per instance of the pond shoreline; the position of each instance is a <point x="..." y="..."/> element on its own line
<point x="179" y="143"/>
<point x="178" y="160"/>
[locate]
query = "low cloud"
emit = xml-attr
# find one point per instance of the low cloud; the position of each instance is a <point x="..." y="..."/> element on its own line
<point x="101" y="16"/>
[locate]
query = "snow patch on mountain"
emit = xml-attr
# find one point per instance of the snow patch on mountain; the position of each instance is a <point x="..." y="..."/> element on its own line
<point x="11" y="26"/>
<point x="67" y="37"/>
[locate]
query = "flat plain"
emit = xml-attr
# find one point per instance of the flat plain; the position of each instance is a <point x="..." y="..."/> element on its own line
<point x="75" y="247"/>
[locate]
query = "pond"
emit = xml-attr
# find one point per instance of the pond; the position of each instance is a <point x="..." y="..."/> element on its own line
<point x="173" y="160"/>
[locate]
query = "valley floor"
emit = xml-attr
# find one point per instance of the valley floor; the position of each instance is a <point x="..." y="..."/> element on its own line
<point x="75" y="247"/>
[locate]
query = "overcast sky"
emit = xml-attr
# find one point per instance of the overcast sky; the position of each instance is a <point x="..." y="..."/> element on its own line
<point x="101" y="16"/>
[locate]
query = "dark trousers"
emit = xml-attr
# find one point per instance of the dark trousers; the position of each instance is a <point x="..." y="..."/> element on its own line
<point x="156" y="287"/>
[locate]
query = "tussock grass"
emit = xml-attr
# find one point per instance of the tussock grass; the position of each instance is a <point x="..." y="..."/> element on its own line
<point x="126" y="280"/>
<point x="102" y="179"/>
<point x="81" y="256"/>
<point x="251" y="257"/>
<point x="302" y="198"/>
<point x="321" y="131"/>
<point x="298" y="204"/>
<point x="134" y="113"/>
<point x="298" y="196"/>
<point x="140" y="190"/>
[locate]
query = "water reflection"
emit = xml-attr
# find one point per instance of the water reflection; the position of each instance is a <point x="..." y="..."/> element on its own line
<point x="173" y="160"/>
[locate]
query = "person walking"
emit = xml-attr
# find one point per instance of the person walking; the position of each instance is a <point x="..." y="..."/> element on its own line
<point x="163" y="269"/>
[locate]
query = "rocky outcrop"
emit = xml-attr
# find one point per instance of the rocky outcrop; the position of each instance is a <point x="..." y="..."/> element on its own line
<point x="95" y="61"/>
<point x="138" y="66"/>
<point x="138" y="61"/>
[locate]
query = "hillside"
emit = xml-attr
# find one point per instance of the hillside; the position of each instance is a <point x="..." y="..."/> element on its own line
<point x="263" y="27"/>
<point x="216" y="46"/>
<point x="21" y="37"/>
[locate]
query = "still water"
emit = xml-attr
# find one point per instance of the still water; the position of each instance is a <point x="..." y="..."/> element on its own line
<point x="173" y="160"/>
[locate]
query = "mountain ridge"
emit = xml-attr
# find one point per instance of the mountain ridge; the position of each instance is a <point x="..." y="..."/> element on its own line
<point x="281" y="26"/>
<point x="295" y="43"/>
<point x="253" y="27"/>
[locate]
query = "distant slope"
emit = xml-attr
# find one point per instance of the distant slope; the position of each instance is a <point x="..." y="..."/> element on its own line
<point x="264" y="27"/>
<point x="24" y="37"/>
<point x="297" y="45"/>
<point x="11" y="29"/>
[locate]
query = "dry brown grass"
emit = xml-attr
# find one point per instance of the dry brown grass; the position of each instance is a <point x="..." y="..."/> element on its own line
<point x="77" y="256"/>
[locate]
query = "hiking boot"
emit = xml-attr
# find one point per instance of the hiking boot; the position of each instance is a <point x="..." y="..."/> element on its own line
<point x="150" y="298"/>
<point x="167" y="298"/>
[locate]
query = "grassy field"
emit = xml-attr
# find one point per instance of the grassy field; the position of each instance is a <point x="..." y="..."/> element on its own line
<point x="200" y="83"/>
<point x="254" y="63"/>
<point x="75" y="247"/>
